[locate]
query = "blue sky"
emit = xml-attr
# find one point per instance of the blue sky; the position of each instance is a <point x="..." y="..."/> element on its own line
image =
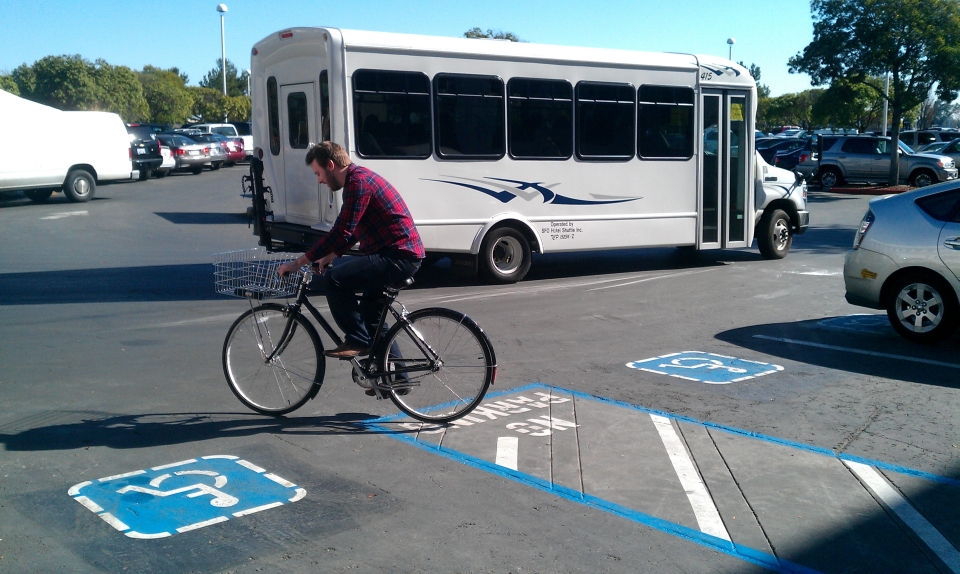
<point x="186" y="34"/>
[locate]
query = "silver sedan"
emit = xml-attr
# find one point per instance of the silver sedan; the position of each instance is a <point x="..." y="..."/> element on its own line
<point x="906" y="259"/>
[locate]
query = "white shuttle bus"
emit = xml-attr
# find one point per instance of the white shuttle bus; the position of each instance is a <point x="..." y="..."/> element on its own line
<point x="501" y="149"/>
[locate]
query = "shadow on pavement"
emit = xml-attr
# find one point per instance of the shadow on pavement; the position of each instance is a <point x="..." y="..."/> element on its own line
<point x="864" y="344"/>
<point x="75" y="430"/>
<point x="825" y="240"/>
<point x="203" y="218"/>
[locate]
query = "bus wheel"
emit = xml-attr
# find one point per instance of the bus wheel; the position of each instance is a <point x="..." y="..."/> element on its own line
<point x="505" y="256"/>
<point x="773" y="234"/>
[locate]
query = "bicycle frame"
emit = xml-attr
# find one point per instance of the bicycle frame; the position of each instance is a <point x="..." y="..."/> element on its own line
<point x="369" y="371"/>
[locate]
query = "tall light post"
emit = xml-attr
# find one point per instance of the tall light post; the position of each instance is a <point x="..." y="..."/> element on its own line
<point x="222" y="8"/>
<point x="249" y="95"/>
<point x="730" y="42"/>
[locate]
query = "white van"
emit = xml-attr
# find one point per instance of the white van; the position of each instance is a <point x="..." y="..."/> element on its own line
<point x="501" y="149"/>
<point x="43" y="149"/>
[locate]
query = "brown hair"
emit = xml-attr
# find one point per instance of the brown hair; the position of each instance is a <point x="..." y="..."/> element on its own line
<point x="328" y="151"/>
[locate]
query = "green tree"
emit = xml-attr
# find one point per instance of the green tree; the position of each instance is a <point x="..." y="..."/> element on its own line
<point x="64" y="82"/>
<point x="495" y="35"/>
<point x="238" y="108"/>
<point x="846" y="105"/>
<point x="209" y="105"/>
<point x="916" y="41"/>
<point x="169" y="99"/>
<point x="793" y="109"/>
<point x="236" y="84"/>
<point x="119" y="91"/>
<point x="8" y="84"/>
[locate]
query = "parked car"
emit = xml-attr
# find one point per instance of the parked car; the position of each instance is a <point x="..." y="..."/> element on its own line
<point x="169" y="163"/>
<point x="793" y="133"/>
<point x="228" y="130"/>
<point x="919" y="138"/>
<point x="218" y="149"/>
<point x="230" y="148"/>
<point x="906" y="259"/>
<point x="188" y="154"/>
<point x="784" y="144"/>
<point x="144" y="149"/>
<point x="91" y="147"/>
<point x="790" y="159"/>
<point x="866" y="159"/>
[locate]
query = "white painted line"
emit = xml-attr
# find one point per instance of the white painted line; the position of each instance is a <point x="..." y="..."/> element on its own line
<point x="124" y="475"/>
<point x="63" y="214"/>
<point x="507" y="447"/>
<point x="257" y="509"/>
<point x="907" y="513"/>
<point x="651" y="279"/>
<point x="114" y="521"/>
<point x="708" y="517"/>
<point x="226" y="456"/>
<point x="280" y="481"/>
<point x="139" y="536"/>
<point x="301" y="492"/>
<point x="859" y="351"/>
<point x="196" y="525"/>
<point x="250" y="465"/>
<point x="173" y="464"/>
<point x="89" y="504"/>
<point x="75" y="489"/>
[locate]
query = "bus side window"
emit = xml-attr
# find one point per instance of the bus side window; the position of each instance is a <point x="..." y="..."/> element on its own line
<point x="540" y="118"/>
<point x="665" y="122"/>
<point x="297" y="117"/>
<point x="470" y="115"/>
<point x="324" y="106"/>
<point x="391" y="114"/>
<point x="606" y="121"/>
<point x="273" y="113"/>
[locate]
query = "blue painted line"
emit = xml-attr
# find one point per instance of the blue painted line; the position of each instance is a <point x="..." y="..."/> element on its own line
<point x="742" y="552"/>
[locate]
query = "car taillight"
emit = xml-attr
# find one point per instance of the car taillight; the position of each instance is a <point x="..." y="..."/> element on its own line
<point x="206" y="150"/>
<point x="864" y="227"/>
<point x="130" y="153"/>
<point x="179" y="151"/>
<point x="804" y="157"/>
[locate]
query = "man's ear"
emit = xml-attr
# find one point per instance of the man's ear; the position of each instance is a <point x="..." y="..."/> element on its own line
<point x="330" y="165"/>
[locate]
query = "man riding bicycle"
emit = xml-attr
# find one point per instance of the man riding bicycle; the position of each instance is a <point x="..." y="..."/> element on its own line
<point x="374" y="214"/>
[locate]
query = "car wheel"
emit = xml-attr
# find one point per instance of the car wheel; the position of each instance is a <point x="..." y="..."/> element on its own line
<point x="505" y="256"/>
<point x="922" y="178"/>
<point x="145" y="174"/>
<point x="79" y="186"/>
<point x="773" y="234"/>
<point x="830" y="177"/>
<point x="231" y="163"/>
<point x="197" y="170"/>
<point x="215" y="166"/>
<point x="922" y="308"/>
<point x="38" y="195"/>
<point x="161" y="173"/>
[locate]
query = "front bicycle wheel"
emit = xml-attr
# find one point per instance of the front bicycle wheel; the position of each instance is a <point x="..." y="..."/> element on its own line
<point x="446" y="389"/>
<point x="285" y="382"/>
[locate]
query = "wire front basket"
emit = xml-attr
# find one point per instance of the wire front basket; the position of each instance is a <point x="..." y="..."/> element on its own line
<point x="252" y="274"/>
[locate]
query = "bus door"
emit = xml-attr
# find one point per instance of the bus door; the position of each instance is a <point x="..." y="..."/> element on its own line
<point x="298" y="118"/>
<point x="726" y="172"/>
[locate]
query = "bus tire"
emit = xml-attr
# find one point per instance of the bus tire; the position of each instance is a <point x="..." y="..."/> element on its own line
<point x="505" y="256"/>
<point x="774" y="237"/>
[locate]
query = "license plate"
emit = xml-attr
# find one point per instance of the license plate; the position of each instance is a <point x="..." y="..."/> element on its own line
<point x="194" y="152"/>
<point x="141" y="151"/>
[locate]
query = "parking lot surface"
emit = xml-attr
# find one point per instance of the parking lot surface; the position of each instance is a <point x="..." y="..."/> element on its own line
<point x="655" y="411"/>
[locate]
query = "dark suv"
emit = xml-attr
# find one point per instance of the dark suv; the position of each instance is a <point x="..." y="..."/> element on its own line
<point x="866" y="159"/>
<point x="144" y="148"/>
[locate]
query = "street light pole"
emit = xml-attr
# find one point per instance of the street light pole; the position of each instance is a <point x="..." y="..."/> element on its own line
<point x="730" y="42"/>
<point x="222" y="8"/>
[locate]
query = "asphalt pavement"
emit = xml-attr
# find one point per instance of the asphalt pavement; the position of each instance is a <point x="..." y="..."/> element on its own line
<point x="655" y="411"/>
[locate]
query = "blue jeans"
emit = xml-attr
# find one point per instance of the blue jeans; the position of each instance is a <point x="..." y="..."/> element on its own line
<point x="368" y="275"/>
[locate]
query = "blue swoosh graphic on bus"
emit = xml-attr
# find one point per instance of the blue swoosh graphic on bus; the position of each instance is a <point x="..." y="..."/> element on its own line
<point x="549" y="196"/>
<point x="722" y="70"/>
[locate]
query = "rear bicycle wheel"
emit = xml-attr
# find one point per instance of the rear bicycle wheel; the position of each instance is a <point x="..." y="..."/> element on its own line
<point x="288" y="380"/>
<point x="458" y="381"/>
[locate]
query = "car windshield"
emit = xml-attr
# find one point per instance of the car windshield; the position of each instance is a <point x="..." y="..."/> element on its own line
<point x="224" y="131"/>
<point x="907" y="148"/>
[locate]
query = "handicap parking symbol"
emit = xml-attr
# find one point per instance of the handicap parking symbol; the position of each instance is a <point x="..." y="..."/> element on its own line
<point x="707" y="368"/>
<point x="183" y="496"/>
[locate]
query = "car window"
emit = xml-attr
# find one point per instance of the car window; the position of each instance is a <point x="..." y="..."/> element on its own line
<point x="924" y="138"/>
<point x="941" y="206"/>
<point x="860" y="145"/>
<point x="224" y="131"/>
<point x="906" y="148"/>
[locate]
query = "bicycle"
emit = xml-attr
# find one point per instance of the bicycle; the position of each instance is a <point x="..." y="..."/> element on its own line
<point x="435" y="364"/>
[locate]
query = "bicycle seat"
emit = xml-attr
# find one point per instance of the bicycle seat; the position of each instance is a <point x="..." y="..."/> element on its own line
<point x="400" y="285"/>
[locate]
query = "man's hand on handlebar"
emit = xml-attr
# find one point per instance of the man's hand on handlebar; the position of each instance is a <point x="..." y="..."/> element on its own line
<point x="319" y="266"/>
